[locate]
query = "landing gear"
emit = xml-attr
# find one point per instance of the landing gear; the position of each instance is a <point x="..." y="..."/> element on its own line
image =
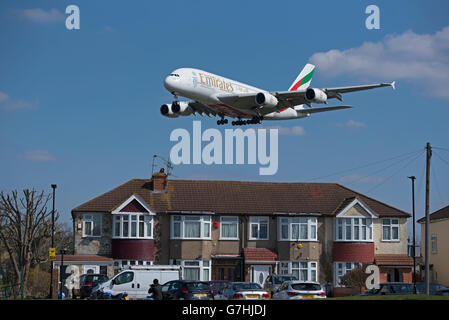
<point x="222" y="121"/>
<point x="254" y="120"/>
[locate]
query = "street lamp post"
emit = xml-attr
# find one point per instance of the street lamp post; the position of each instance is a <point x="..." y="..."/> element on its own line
<point x="413" y="224"/>
<point x="53" y="186"/>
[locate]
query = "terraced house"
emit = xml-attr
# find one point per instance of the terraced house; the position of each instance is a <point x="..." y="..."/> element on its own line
<point x="240" y="231"/>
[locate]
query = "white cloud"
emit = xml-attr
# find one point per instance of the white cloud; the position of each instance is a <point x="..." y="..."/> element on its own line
<point x="419" y="58"/>
<point x="351" y="124"/>
<point x="7" y="103"/>
<point x="38" y="15"/>
<point x="38" y="156"/>
<point x="288" y="131"/>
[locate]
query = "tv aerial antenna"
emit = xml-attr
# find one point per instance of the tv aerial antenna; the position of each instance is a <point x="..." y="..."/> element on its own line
<point x="168" y="164"/>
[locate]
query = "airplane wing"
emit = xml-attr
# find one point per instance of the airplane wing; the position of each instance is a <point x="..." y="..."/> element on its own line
<point x="201" y="109"/>
<point x="316" y="110"/>
<point x="292" y="98"/>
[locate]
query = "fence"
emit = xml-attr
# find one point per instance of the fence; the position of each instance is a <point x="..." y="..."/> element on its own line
<point x="8" y="291"/>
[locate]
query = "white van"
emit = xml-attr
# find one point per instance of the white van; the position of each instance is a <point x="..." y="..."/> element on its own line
<point x="136" y="280"/>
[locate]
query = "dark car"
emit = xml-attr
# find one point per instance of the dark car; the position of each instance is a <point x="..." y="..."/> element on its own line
<point x="389" y="288"/>
<point x="90" y="281"/>
<point x="217" y="286"/>
<point x="435" y="288"/>
<point x="187" y="290"/>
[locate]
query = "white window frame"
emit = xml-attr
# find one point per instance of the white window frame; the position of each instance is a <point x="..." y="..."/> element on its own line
<point x="291" y="222"/>
<point x="341" y="268"/>
<point x="434" y="244"/>
<point x="257" y="221"/>
<point x="290" y="267"/>
<point x="205" y="224"/>
<point x="391" y="226"/>
<point x="203" y="265"/>
<point x="89" y="218"/>
<point x="229" y="220"/>
<point x="148" y="225"/>
<point x="356" y="228"/>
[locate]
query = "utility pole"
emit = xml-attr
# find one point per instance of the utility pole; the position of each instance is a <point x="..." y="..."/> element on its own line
<point x="414" y="245"/>
<point x="53" y="186"/>
<point x="429" y="154"/>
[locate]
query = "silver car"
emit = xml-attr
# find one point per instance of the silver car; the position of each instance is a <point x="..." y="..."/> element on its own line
<point x="300" y="290"/>
<point x="274" y="281"/>
<point x="244" y="291"/>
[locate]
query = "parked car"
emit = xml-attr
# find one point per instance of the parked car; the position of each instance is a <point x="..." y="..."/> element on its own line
<point x="394" y="288"/>
<point x="187" y="290"/>
<point x="87" y="283"/>
<point x="389" y="288"/>
<point x="244" y="291"/>
<point x="300" y="290"/>
<point x="274" y="281"/>
<point x="217" y="286"/>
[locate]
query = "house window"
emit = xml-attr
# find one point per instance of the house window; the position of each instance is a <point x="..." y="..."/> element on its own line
<point x="354" y="229"/>
<point x="258" y="228"/>
<point x="341" y="268"/>
<point x="390" y="229"/>
<point x="133" y="225"/>
<point x="125" y="264"/>
<point x="298" y="228"/>
<point x="229" y="228"/>
<point x="190" y="227"/>
<point x="302" y="270"/>
<point x="91" y="225"/>
<point x="434" y="243"/>
<point x="195" y="269"/>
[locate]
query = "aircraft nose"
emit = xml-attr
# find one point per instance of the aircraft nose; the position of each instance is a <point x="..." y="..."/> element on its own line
<point x="168" y="83"/>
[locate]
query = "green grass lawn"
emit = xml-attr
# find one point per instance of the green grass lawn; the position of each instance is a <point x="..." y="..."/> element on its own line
<point x="394" y="297"/>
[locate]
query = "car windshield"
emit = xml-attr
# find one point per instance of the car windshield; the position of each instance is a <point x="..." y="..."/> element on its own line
<point x="281" y="279"/>
<point x="246" y="286"/>
<point x="197" y="286"/>
<point x="306" y="286"/>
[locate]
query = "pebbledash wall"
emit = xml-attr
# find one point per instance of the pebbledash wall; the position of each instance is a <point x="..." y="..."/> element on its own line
<point x="155" y="203"/>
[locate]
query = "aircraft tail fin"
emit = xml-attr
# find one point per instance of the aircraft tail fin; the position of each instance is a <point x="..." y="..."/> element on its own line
<point x="304" y="78"/>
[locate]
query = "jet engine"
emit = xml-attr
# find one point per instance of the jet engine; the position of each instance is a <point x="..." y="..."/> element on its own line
<point x="175" y="109"/>
<point x="266" y="100"/>
<point x="316" y="95"/>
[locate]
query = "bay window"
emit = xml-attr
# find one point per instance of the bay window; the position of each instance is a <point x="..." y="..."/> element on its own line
<point x="132" y="225"/>
<point x="341" y="268"/>
<point x="198" y="270"/>
<point x="258" y="228"/>
<point x="302" y="270"/>
<point x="298" y="228"/>
<point x="190" y="227"/>
<point x="354" y="229"/>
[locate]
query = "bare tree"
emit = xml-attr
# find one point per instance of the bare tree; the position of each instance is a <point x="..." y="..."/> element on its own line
<point x="25" y="226"/>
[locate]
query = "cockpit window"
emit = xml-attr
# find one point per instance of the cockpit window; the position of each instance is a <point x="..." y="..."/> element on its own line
<point x="174" y="74"/>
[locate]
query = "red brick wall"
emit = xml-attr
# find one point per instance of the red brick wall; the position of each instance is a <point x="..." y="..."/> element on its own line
<point x="353" y="252"/>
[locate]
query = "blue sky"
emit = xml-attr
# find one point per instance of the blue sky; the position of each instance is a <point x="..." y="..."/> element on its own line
<point x="80" y="108"/>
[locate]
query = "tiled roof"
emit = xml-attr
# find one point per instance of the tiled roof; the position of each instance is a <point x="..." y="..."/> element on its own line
<point x="237" y="197"/>
<point x="393" y="260"/>
<point x="259" y="254"/>
<point x="443" y="213"/>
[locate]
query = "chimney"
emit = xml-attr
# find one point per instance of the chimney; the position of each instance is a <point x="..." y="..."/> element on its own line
<point x="159" y="180"/>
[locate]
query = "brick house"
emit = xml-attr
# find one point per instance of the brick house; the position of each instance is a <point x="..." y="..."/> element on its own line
<point x="241" y="230"/>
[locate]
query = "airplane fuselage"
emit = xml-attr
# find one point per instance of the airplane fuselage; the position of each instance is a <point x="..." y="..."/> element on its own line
<point x="204" y="87"/>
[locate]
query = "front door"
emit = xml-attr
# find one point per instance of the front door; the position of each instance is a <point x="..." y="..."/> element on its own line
<point x="259" y="273"/>
<point x="91" y="269"/>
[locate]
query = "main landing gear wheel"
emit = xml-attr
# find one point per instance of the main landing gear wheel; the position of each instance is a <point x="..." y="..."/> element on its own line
<point x="254" y="120"/>
<point x="222" y="121"/>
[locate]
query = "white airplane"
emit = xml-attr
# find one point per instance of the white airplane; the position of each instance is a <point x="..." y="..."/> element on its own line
<point x="219" y="96"/>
